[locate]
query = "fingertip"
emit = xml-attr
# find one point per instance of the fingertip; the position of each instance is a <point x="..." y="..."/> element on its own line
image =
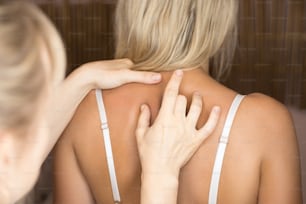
<point x="143" y="121"/>
<point x="143" y="77"/>
<point x="197" y="97"/>
<point x="145" y="112"/>
<point x="149" y="77"/>
<point x="143" y="107"/>
<point x="197" y="93"/>
<point x="216" y="109"/>
<point x="179" y="73"/>
<point x="212" y="122"/>
<point x="156" y="77"/>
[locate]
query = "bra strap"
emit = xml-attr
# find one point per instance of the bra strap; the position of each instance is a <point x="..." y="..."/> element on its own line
<point x="108" y="146"/>
<point x="215" y="179"/>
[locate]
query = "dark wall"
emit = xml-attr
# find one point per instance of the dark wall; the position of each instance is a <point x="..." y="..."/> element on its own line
<point x="271" y="57"/>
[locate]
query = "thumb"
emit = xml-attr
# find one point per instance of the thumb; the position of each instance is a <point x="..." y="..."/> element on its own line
<point x="143" y="122"/>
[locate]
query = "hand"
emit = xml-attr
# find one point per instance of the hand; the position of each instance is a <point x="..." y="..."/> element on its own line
<point x="173" y="138"/>
<point x="68" y="94"/>
<point x="113" y="73"/>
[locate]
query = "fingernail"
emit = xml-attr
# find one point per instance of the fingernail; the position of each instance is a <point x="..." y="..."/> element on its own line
<point x="179" y="72"/>
<point x="216" y="109"/>
<point x="142" y="107"/>
<point x="196" y="93"/>
<point x="156" y="77"/>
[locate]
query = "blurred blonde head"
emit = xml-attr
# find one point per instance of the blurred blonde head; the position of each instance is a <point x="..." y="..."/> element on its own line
<point x="31" y="56"/>
<point x="162" y="35"/>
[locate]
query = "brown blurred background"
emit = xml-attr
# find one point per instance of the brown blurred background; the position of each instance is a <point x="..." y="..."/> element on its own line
<point x="270" y="58"/>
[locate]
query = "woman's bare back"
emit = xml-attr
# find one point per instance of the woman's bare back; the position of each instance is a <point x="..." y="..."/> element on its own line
<point x="261" y="160"/>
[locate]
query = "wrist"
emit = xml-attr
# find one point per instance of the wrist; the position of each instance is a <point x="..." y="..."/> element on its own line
<point x="160" y="170"/>
<point x="159" y="188"/>
<point x="169" y="179"/>
<point x="83" y="78"/>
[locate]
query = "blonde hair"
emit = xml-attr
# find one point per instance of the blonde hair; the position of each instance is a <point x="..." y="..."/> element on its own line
<point x="24" y="32"/>
<point x="162" y="35"/>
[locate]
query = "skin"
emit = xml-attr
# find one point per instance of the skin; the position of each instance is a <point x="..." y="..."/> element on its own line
<point x="261" y="162"/>
<point x="170" y="142"/>
<point x="17" y="176"/>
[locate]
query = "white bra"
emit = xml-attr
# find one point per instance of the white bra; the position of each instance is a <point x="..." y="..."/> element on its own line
<point x="214" y="184"/>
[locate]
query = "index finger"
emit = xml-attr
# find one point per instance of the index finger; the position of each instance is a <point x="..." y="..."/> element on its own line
<point x="171" y="92"/>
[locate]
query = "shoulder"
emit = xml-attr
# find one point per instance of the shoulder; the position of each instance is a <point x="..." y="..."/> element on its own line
<point x="270" y="123"/>
<point x="267" y="111"/>
<point x="279" y="154"/>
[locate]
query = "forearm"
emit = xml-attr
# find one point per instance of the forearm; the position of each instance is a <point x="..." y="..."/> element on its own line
<point x="159" y="189"/>
<point x="65" y="101"/>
